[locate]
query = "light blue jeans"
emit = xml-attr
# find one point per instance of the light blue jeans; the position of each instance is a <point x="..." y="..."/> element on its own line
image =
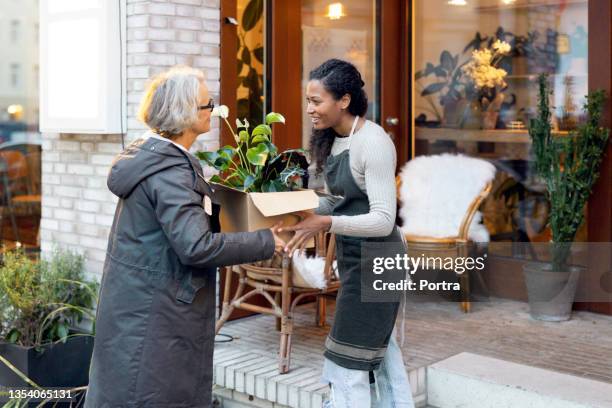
<point x="352" y="388"/>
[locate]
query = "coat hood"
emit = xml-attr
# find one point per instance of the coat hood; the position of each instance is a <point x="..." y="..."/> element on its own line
<point x="141" y="159"/>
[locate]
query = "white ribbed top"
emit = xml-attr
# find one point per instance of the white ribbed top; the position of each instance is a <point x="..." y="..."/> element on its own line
<point x="372" y="161"/>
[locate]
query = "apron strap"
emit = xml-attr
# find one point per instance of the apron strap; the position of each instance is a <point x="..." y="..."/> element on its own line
<point x="353" y="129"/>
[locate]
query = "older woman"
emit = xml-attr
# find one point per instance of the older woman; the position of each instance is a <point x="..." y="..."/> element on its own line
<point x="156" y="315"/>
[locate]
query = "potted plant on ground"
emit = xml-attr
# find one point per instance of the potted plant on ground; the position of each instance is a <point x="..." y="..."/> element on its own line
<point x="569" y="167"/>
<point x="41" y="304"/>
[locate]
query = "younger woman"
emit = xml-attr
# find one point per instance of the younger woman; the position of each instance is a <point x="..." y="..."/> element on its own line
<point x="358" y="160"/>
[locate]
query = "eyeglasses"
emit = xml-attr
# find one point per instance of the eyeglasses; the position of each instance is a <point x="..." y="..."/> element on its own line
<point x="210" y="105"/>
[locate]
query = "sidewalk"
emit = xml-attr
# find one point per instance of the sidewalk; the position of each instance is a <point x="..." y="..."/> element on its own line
<point x="433" y="332"/>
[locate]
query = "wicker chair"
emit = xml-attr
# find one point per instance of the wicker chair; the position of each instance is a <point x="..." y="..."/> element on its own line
<point x="274" y="283"/>
<point x="453" y="246"/>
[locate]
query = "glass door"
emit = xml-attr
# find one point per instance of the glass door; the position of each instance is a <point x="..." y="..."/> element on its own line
<point x="344" y="30"/>
<point x="369" y="33"/>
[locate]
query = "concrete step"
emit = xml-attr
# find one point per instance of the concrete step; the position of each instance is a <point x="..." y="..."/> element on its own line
<point x="468" y="380"/>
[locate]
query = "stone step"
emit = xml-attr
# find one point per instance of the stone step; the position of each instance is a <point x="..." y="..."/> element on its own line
<point x="468" y="380"/>
<point x="247" y="379"/>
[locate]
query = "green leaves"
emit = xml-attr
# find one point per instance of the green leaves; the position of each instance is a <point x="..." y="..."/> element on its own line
<point x="248" y="182"/>
<point x="259" y="54"/>
<point x="569" y="165"/>
<point x="272" y="149"/>
<point x="252" y="13"/>
<point x="221" y="159"/>
<point x="41" y="299"/>
<point x="243" y="136"/>
<point x="261" y="133"/>
<point x="208" y="157"/>
<point x="62" y="331"/>
<point x="227" y="152"/>
<point x="429" y="68"/>
<point x="258" y="155"/>
<point x="216" y="179"/>
<point x="433" y="88"/>
<point x="246" y="56"/>
<point x="273" y="186"/>
<point x="255" y="163"/>
<point x="447" y="61"/>
<point x="274" y="117"/>
<point x="260" y="139"/>
<point x="13" y="336"/>
<point x="263" y="130"/>
<point x="291" y="174"/>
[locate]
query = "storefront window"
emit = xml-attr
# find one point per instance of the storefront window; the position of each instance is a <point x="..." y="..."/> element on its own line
<point x="477" y="64"/>
<point x="250" y="59"/>
<point x="345" y="30"/>
<point x="20" y="142"/>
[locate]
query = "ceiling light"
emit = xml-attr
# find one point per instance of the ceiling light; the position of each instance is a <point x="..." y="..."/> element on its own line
<point x="335" y="11"/>
<point x="14" y="109"/>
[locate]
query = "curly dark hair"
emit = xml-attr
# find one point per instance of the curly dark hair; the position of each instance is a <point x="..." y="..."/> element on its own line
<point x="339" y="78"/>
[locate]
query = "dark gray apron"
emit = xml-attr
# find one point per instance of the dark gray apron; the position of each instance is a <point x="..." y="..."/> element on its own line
<point x="361" y="331"/>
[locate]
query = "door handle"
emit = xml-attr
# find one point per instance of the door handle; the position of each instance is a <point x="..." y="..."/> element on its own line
<point x="391" y="121"/>
<point x="231" y="20"/>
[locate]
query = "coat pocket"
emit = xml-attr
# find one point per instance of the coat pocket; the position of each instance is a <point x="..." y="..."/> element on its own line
<point x="191" y="280"/>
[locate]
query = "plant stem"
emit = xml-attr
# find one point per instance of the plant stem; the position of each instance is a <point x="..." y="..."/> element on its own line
<point x="19" y="373"/>
<point x="243" y="161"/>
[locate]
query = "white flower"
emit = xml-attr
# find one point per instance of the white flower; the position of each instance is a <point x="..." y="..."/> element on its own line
<point x="483" y="71"/>
<point x="240" y="124"/>
<point x="221" y="111"/>
<point x="502" y="47"/>
<point x="482" y="57"/>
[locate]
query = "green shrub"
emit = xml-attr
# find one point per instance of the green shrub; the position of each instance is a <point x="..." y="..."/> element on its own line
<point x="42" y="300"/>
<point x="569" y="166"/>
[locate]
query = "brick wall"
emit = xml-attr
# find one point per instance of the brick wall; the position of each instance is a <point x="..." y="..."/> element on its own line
<point x="77" y="208"/>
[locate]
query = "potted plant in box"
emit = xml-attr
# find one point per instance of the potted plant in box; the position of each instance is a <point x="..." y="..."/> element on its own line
<point x="254" y="164"/>
<point x="41" y="303"/>
<point x="256" y="185"/>
<point x="569" y="167"/>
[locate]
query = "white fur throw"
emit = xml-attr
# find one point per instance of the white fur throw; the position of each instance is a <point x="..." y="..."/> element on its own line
<point x="436" y="192"/>
<point x="308" y="272"/>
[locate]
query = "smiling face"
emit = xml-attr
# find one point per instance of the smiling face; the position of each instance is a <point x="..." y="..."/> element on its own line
<point x="324" y="110"/>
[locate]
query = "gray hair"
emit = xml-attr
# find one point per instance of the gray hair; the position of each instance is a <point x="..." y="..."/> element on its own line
<point x="170" y="103"/>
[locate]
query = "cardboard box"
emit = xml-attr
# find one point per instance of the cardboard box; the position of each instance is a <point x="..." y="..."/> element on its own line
<point x="242" y="211"/>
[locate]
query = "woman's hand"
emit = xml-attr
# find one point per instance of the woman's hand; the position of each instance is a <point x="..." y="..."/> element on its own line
<point x="310" y="225"/>
<point x="279" y="243"/>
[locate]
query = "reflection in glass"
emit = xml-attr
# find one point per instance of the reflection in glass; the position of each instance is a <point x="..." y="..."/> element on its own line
<point x="20" y="142"/>
<point x="477" y="64"/>
<point x="250" y="60"/>
<point x="345" y="30"/>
